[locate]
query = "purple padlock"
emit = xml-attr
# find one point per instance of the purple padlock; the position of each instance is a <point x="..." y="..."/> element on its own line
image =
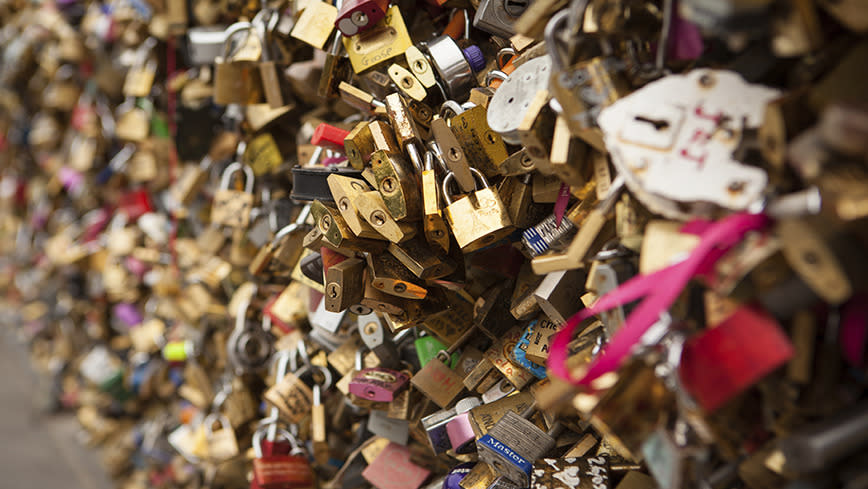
<point x="128" y="314"/>
<point x="378" y="384"/>
<point x="457" y="474"/>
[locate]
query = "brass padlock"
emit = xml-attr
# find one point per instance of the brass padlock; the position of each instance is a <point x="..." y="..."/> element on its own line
<point x="232" y="207"/>
<point x="140" y="76"/>
<point x="237" y="81"/>
<point x="478" y="220"/>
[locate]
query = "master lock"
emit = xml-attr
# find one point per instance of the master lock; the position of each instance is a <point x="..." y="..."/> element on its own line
<point x="479" y="219"/>
<point x="513" y="444"/>
<point x="454" y="66"/>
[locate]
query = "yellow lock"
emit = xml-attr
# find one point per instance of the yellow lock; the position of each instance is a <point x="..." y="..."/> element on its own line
<point x="386" y="40"/>
<point x="478" y="220"/>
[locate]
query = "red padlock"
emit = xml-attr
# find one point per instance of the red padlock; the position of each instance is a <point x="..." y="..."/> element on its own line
<point x="278" y="470"/>
<point x="393" y="469"/>
<point x="356" y="16"/>
<point x="329" y="136"/>
<point x="722" y="361"/>
<point x="135" y="204"/>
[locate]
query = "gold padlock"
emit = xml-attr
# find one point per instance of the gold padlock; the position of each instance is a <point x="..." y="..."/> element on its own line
<point x="478" y="220"/>
<point x="232" y="207"/>
<point x="237" y="81"/>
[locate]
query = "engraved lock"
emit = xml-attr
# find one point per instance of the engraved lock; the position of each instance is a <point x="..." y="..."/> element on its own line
<point x="385" y="40"/>
<point x="481" y="144"/>
<point x="357" y="16"/>
<point x="249" y="347"/>
<point x="513" y="444"/>
<point x="233" y="207"/>
<point x="279" y="471"/>
<point x="577" y="473"/>
<point x="236" y="81"/>
<point x="478" y="220"/>
<point x="140" y="76"/>
<point x="377" y="384"/>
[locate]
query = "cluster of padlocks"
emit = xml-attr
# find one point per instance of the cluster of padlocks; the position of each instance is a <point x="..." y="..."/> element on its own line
<point x="457" y="244"/>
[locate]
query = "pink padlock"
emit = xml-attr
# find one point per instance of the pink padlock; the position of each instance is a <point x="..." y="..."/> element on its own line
<point x="378" y="384"/>
<point x="459" y="430"/>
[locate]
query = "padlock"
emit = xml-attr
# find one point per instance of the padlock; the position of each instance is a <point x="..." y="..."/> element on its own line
<point x="397" y="183"/>
<point x="276" y="88"/>
<point x="140" y="76"/>
<point x="383" y="41"/>
<point x="232" y="207"/>
<point x="513" y="443"/>
<point x="344" y="285"/>
<point x="237" y="81"/>
<point x="436" y="232"/>
<point x="376" y="384"/>
<point x="482" y="145"/>
<point x="221" y="445"/>
<point x="360" y="15"/>
<point x="393" y="469"/>
<point x="249" y="347"/>
<point x="292" y="471"/>
<point x="316" y="23"/>
<point x="454" y="66"/>
<point x="487" y="216"/>
<point x="571" y="472"/>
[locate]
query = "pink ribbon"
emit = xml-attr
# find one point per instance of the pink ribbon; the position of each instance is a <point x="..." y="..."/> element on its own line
<point x="659" y="289"/>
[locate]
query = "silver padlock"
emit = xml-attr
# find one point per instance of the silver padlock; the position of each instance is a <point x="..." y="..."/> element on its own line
<point x="205" y="44"/>
<point x="453" y="69"/>
<point x="513" y="444"/>
<point x="511" y="101"/>
<point x="497" y="16"/>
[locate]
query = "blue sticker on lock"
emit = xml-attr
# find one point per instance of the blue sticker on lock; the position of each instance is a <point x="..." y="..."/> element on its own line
<point x="519" y="354"/>
<point x="507" y="453"/>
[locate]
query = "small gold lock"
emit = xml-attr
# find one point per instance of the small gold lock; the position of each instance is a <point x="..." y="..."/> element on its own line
<point x="478" y="220"/>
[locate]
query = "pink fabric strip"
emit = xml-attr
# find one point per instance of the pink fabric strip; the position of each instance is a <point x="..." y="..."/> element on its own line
<point x="660" y="290"/>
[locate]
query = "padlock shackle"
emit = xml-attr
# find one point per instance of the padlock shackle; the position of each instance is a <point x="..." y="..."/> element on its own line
<point x="230" y="32"/>
<point x="257" y="440"/>
<point x="289" y="228"/>
<point x="450" y="106"/>
<point x="574" y="18"/>
<point x="448" y="178"/>
<point x="215" y="418"/>
<point x="225" y="179"/>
